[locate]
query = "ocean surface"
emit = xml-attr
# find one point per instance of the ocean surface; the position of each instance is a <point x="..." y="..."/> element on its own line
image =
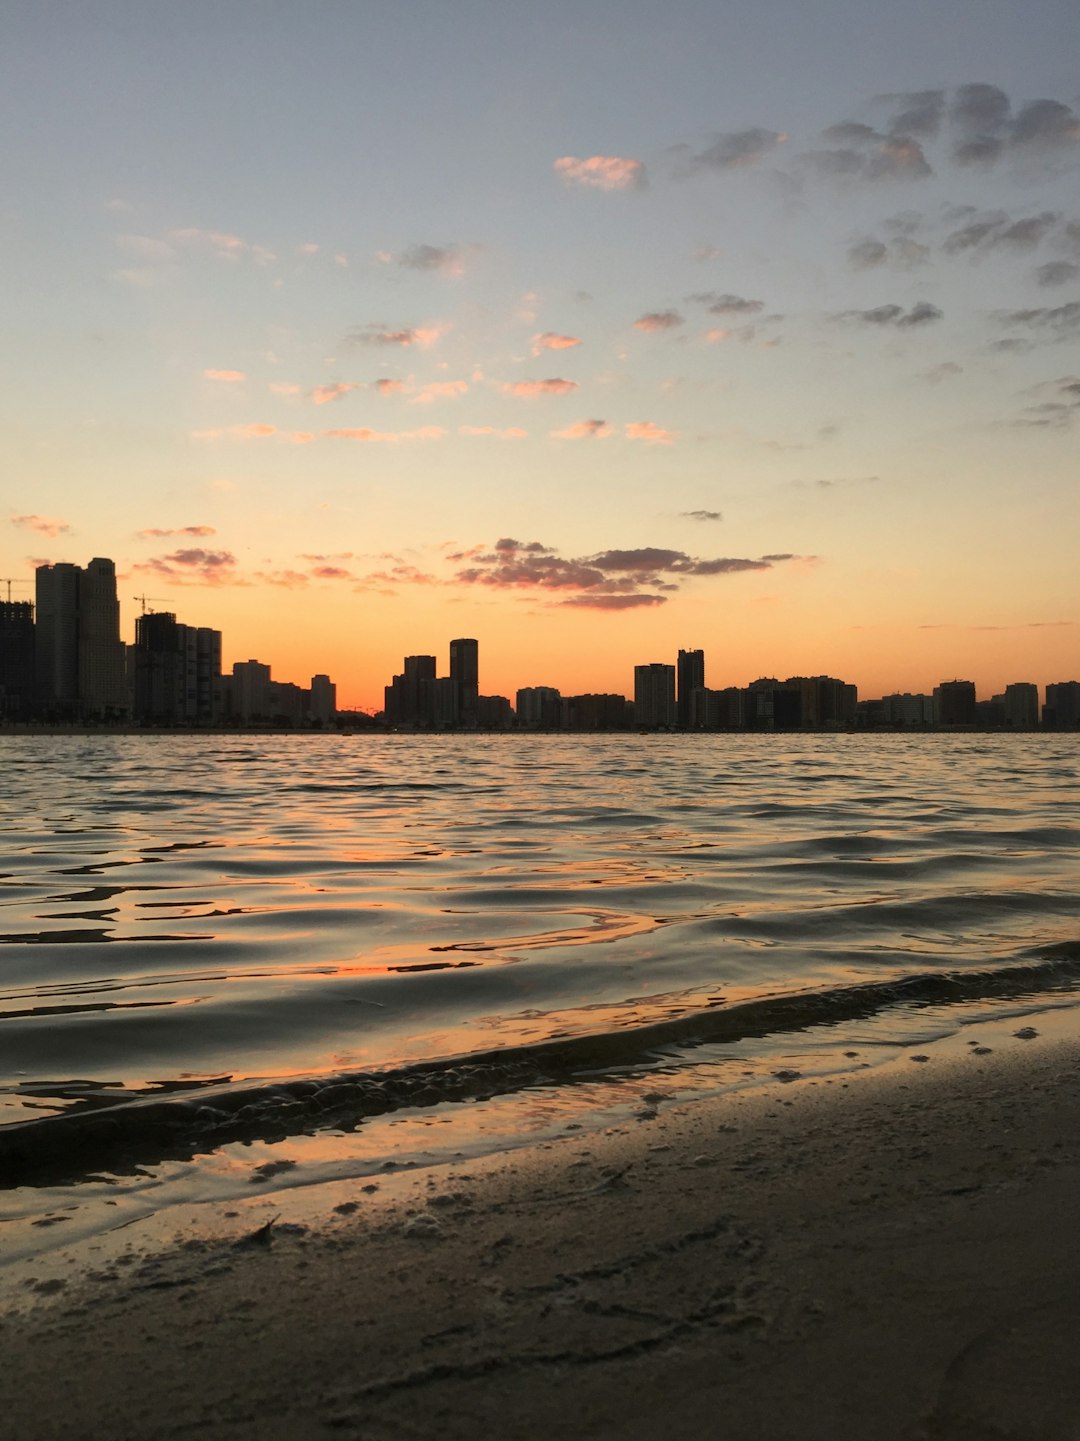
<point x="214" y="942"/>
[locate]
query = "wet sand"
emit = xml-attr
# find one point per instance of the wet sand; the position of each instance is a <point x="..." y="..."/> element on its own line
<point x="892" y="1255"/>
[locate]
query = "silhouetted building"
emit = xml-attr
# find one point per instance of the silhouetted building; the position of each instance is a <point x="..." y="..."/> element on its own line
<point x="1021" y="703"/>
<point x="717" y="709"/>
<point x="176" y="672"/>
<point x="1062" y="709"/>
<point x="249" y="691"/>
<point x="17" y="685"/>
<point x="408" y="698"/>
<point x="465" y="673"/>
<point x="322" y="704"/>
<point x="538" y="707"/>
<point x="654" y="695"/>
<point x="80" y="658"/>
<point x="690" y="676"/>
<point x="954" y="703"/>
<point x="909" y="711"/>
<point x="595" y="712"/>
<point x="494" y="713"/>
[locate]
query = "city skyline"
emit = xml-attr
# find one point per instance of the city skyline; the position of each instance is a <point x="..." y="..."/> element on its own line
<point x="594" y="334"/>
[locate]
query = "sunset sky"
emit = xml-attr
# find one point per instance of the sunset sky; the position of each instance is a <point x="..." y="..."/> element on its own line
<point x="591" y="330"/>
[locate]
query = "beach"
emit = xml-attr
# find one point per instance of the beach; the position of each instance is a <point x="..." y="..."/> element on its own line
<point x="889" y="1253"/>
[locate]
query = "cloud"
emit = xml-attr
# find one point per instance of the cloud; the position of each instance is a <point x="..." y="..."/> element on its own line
<point x="868" y="156"/>
<point x="146" y="247"/>
<point x="726" y="304"/>
<point x="1061" y="321"/>
<point x="986" y="233"/>
<point x="701" y="514"/>
<point x="549" y="340"/>
<point x="1057" y="405"/>
<point x="658" y="320"/>
<point x="332" y="572"/>
<point x="584" y="430"/>
<point x="601" y="172"/>
<point x="902" y="252"/>
<point x="512" y="432"/>
<point x="386" y="437"/>
<point x="439" y="390"/>
<point x="288" y="579"/>
<point x="917" y="112"/>
<point x="218" y="242"/>
<point x="42" y="524"/>
<point x="255" y="431"/>
<point x="334" y="390"/>
<point x="1057" y="272"/>
<point x="986" y="130"/>
<point x="193" y="566"/>
<point x="539" y="387"/>
<point x="389" y="387"/>
<point x="230" y="377"/>
<point x="937" y="373"/>
<point x="423" y="337"/>
<point x="609" y="580"/>
<point x="448" y="260"/>
<point x="284" y="387"/>
<point x="154" y="533"/>
<point x="651" y="433"/>
<point x="737" y="150"/>
<point x="883" y="315"/>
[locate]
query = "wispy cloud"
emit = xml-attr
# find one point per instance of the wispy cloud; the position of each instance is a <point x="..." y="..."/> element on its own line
<point x="584" y="430"/>
<point x="389" y="387"/>
<point x="648" y="431"/>
<point x="511" y="432"/>
<point x="257" y="430"/>
<point x="601" y="172"/>
<point x="386" y="437"/>
<point x="549" y="340"/>
<point x="529" y="388"/>
<point x="894" y="315"/>
<point x="423" y="336"/>
<point x="658" y="320"/>
<point x="1055" y="406"/>
<point x="42" y="524"/>
<point x="439" y="390"/>
<point x="449" y="260"/>
<point x="155" y="533"/>
<point x="333" y="390"/>
<point x="737" y="150"/>
<point x="230" y="377"/>
<point x="707" y="515"/>
<point x="194" y="566"/>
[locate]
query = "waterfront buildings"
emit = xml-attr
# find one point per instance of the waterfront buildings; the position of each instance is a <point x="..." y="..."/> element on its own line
<point x="80" y="659"/>
<point x="17" y="684"/>
<point x="689" y="677"/>
<point x="654" y="695"/>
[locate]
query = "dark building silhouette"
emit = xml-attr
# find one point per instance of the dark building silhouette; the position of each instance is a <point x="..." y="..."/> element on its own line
<point x="1062" y="709"/>
<point x="690" y="676"/>
<point x="176" y="672"/>
<point x="595" y="712"/>
<point x="80" y="658"/>
<point x="954" y="703"/>
<point x="654" y="695"/>
<point x="409" y="698"/>
<point x="465" y="674"/>
<point x="538" y="707"/>
<point x="17" y="683"/>
<point x="1020" y="703"/>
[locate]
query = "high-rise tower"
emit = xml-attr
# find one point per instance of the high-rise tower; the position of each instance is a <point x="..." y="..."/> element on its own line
<point x="465" y="675"/>
<point x="690" y="675"/>
<point x="80" y="656"/>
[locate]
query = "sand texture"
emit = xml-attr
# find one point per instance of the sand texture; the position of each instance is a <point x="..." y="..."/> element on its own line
<point x="895" y="1257"/>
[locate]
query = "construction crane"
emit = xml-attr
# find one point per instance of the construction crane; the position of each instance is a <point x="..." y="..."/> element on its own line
<point x="9" y="581"/>
<point x="143" y="599"/>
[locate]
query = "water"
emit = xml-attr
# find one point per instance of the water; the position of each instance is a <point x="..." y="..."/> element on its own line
<point x="208" y="942"/>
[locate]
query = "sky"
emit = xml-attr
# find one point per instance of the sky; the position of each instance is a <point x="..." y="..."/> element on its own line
<point x="590" y="330"/>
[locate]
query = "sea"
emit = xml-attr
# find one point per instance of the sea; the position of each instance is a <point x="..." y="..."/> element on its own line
<point x="244" y="960"/>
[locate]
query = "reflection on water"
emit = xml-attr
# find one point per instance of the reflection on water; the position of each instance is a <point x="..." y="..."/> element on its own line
<point x="186" y="913"/>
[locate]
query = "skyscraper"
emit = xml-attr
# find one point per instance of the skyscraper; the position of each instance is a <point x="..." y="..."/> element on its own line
<point x="690" y="676"/>
<point x="465" y="674"/>
<point x="16" y="656"/>
<point x="654" y="695"/>
<point x="80" y="656"/>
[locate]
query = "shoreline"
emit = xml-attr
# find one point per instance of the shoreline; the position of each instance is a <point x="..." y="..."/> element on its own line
<point x="892" y="1251"/>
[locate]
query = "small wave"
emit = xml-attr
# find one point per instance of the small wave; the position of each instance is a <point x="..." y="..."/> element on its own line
<point x="101" y="1133"/>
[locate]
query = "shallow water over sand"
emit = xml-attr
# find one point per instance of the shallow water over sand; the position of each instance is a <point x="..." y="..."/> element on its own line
<point x="218" y="923"/>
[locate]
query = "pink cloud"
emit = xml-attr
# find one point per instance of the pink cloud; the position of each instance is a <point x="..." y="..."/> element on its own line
<point x="231" y="377"/>
<point x="300" y="437"/>
<point x="646" y="430"/>
<point x="389" y="387"/>
<point x="439" y="390"/>
<point x="717" y="336"/>
<point x="332" y="572"/>
<point x="284" y="387"/>
<point x="584" y="430"/>
<point x="633" y="601"/>
<point x="549" y="340"/>
<point x="387" y="437"/>
<point x="540" y="387"/>
<point x="513" y="432"/>
<point x="289" y="579"/>
<point x="255" y="431"/>
<point x="601" y="172"/>
<point x="196" y="530"/>
<point x="658" y="320"/>
<point x="423" y="337"/>
<point x="193" y="566"/>
<point x="43" y="524"/>
<point x="324" y="394"/>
